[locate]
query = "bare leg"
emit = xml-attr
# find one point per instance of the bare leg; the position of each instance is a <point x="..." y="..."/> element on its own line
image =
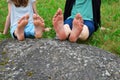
<point x="84" y="33"/>
<point x="77" y="28"/>
<point x="58" y="25"/>
<point x="39" y="26"/>
<point x="19" y="32"/>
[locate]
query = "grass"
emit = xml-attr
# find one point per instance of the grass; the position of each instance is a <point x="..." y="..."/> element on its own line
<point x="108" y="39"/>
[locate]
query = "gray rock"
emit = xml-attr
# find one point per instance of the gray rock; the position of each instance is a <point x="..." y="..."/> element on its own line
<point x="47" y="59"/>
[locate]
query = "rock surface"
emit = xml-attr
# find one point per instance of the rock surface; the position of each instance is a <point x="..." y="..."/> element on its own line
<point x="47" y="59"/>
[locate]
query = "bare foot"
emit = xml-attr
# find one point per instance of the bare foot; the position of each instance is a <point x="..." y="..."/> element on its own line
<point x="77" y="28"/>
<point x="58" y="25"/>
<point x="39" y="26"/>
<point x="19" y="32"/>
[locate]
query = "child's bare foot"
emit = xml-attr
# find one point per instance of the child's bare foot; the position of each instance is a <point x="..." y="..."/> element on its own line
<point x="39" y="26"/>
<point x="58" y="25"/>
<point x="77" y="28"/>
<point x="19" y="32"/>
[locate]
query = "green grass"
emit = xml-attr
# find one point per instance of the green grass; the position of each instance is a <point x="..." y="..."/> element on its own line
<point x="108" y="39"/>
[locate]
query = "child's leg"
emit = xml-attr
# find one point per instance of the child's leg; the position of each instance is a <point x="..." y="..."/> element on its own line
<point x="59" y="25"/>
<point x="67" y="29"/>
<point x="84" y="34"/>
<point x="87" y="31"/>
<point x="19" y="32"/>
<point x="39" y="26"/>
<point x="77" y="28"/>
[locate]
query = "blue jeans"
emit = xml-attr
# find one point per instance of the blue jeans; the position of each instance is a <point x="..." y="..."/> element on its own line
<point x="88" y="23"/>
<point x="29" y="30"/>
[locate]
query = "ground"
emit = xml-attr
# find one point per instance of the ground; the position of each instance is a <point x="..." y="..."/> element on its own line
<point x="50" y="59"/>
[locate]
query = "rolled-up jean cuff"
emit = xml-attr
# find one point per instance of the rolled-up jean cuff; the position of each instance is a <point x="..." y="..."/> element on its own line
<point x="90" y="25"/>
<point x="69" y="22"/>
